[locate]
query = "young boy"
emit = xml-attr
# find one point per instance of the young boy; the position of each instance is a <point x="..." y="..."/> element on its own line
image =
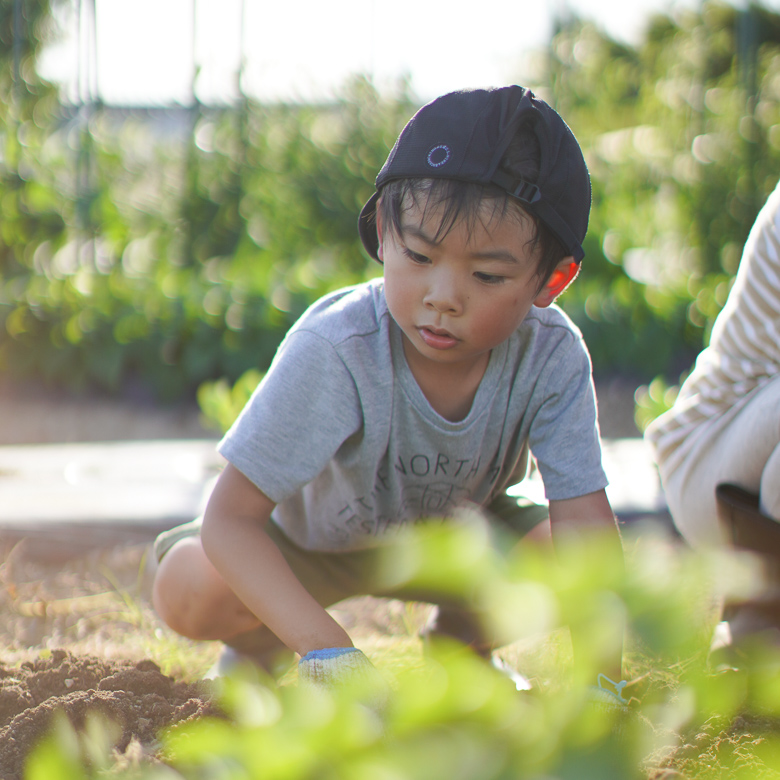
<point x="409" y="396"/>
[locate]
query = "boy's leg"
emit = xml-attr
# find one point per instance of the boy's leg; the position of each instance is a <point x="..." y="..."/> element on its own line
<point x="191" y="596"/>
<point x="511" y="520"/>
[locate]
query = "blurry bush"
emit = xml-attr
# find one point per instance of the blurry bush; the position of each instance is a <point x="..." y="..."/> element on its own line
<point x="652" y="400"/>
<point x="220" y="403"/>
<point x="189" y="262"/>
<point x="175" y="263"/>
<point x="682" y="137"/>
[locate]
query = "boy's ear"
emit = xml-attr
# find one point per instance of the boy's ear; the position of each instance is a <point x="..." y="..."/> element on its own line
<point x="559" y="280"/>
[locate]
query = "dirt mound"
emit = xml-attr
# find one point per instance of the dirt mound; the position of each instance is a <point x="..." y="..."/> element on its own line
<point x="136" y="697"/>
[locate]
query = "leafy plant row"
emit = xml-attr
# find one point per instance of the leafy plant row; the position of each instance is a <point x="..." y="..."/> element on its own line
<point x="130" y="253"/>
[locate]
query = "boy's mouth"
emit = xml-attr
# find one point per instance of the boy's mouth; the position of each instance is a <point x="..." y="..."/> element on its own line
<point x="437" y="338"/>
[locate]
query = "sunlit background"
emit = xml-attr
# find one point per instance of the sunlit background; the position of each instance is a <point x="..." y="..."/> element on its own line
<point x="147" y="50"/>
<point x="181" y="178"/>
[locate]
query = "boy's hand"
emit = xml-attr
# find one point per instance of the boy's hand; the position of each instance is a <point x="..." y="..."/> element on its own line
<point x="345" y="667"/>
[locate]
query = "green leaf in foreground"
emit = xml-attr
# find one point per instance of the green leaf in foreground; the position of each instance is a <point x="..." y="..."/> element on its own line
<point x="452" y="715"/>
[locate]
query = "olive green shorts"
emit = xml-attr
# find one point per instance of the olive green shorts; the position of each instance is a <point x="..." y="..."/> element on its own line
<point x="331" y="577"/>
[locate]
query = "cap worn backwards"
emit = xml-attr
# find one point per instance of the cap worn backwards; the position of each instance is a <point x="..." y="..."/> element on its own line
<point x="464" y="135"/>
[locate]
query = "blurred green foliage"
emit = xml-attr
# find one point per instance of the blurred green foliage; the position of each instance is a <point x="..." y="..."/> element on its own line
<point x="190" y="260"/>
<point x="452" y="715"/>
<point x="682" y="136"/>
<point x="652" y="400"/>
<point x="220" y="403"/>
<point x="128" y="254"/>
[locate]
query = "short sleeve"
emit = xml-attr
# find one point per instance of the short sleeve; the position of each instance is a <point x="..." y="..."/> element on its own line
<point x="305" y="408"/>
<point x="564" y="435"/>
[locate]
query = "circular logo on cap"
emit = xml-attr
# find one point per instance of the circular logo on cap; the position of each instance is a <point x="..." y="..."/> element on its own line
<point x="439" y="155"/>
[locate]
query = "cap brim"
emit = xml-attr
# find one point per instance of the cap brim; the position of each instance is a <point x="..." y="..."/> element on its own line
<point x="367" y="227"/>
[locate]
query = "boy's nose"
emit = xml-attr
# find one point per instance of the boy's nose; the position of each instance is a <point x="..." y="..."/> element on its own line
<point x="442" y="295"/>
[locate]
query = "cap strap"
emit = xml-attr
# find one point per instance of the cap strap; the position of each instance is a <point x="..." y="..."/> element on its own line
<point x="517" y="188"/>
<point x="530" y="195"/>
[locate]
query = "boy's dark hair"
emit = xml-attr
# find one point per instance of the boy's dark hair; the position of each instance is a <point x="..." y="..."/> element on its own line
<point x="499" y="146"/>
<point x="454" y="201"/>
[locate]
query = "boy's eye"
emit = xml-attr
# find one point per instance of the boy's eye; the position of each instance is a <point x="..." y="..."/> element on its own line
<point x="489" y="278"/>
<point x="415" y="257"/>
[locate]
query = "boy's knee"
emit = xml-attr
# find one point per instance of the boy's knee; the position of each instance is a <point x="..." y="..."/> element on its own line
<point x="191" y="597"/>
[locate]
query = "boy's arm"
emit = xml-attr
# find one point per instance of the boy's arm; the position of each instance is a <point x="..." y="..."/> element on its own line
<point x="590" y="512"/>
<point x="236" y="543"/>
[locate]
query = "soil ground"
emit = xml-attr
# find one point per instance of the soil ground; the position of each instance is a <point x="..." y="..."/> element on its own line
<point x="135" y="698"/>
<point x="97" y="607"/>
<point x="83" y="636"/>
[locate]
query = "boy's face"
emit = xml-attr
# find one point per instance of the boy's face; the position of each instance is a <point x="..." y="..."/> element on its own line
<point x="458" y="297"/>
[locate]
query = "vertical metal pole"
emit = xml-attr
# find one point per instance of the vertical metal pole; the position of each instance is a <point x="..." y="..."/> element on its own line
<point x="189" y="175"/>
<point x="372" y="37"/>
<point x="747" y="64"/>
<point x="86" y="44"/>
<point x="90" y="162"/>
<point x="243" y="103"/>
<point x="194" y="50"/>
<point x="17" y="48"/>
<point x="79" y="129"/>
<point x="93" y="52"/>
<point x="78" y="54"/>
<point x="12" y="150"/>
<point x="241" y="51"/>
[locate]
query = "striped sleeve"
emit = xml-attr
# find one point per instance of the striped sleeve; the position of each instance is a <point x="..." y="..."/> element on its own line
<point x="744" y="349"/>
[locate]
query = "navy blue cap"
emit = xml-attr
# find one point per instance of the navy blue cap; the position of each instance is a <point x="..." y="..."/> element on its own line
<point x="464" y="135"/>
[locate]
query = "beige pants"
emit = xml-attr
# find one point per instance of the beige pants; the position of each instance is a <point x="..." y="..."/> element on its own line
<point x="742" y="447"/>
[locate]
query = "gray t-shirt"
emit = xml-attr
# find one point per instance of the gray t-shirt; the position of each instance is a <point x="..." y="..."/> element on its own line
<point x="342" y="439"/>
